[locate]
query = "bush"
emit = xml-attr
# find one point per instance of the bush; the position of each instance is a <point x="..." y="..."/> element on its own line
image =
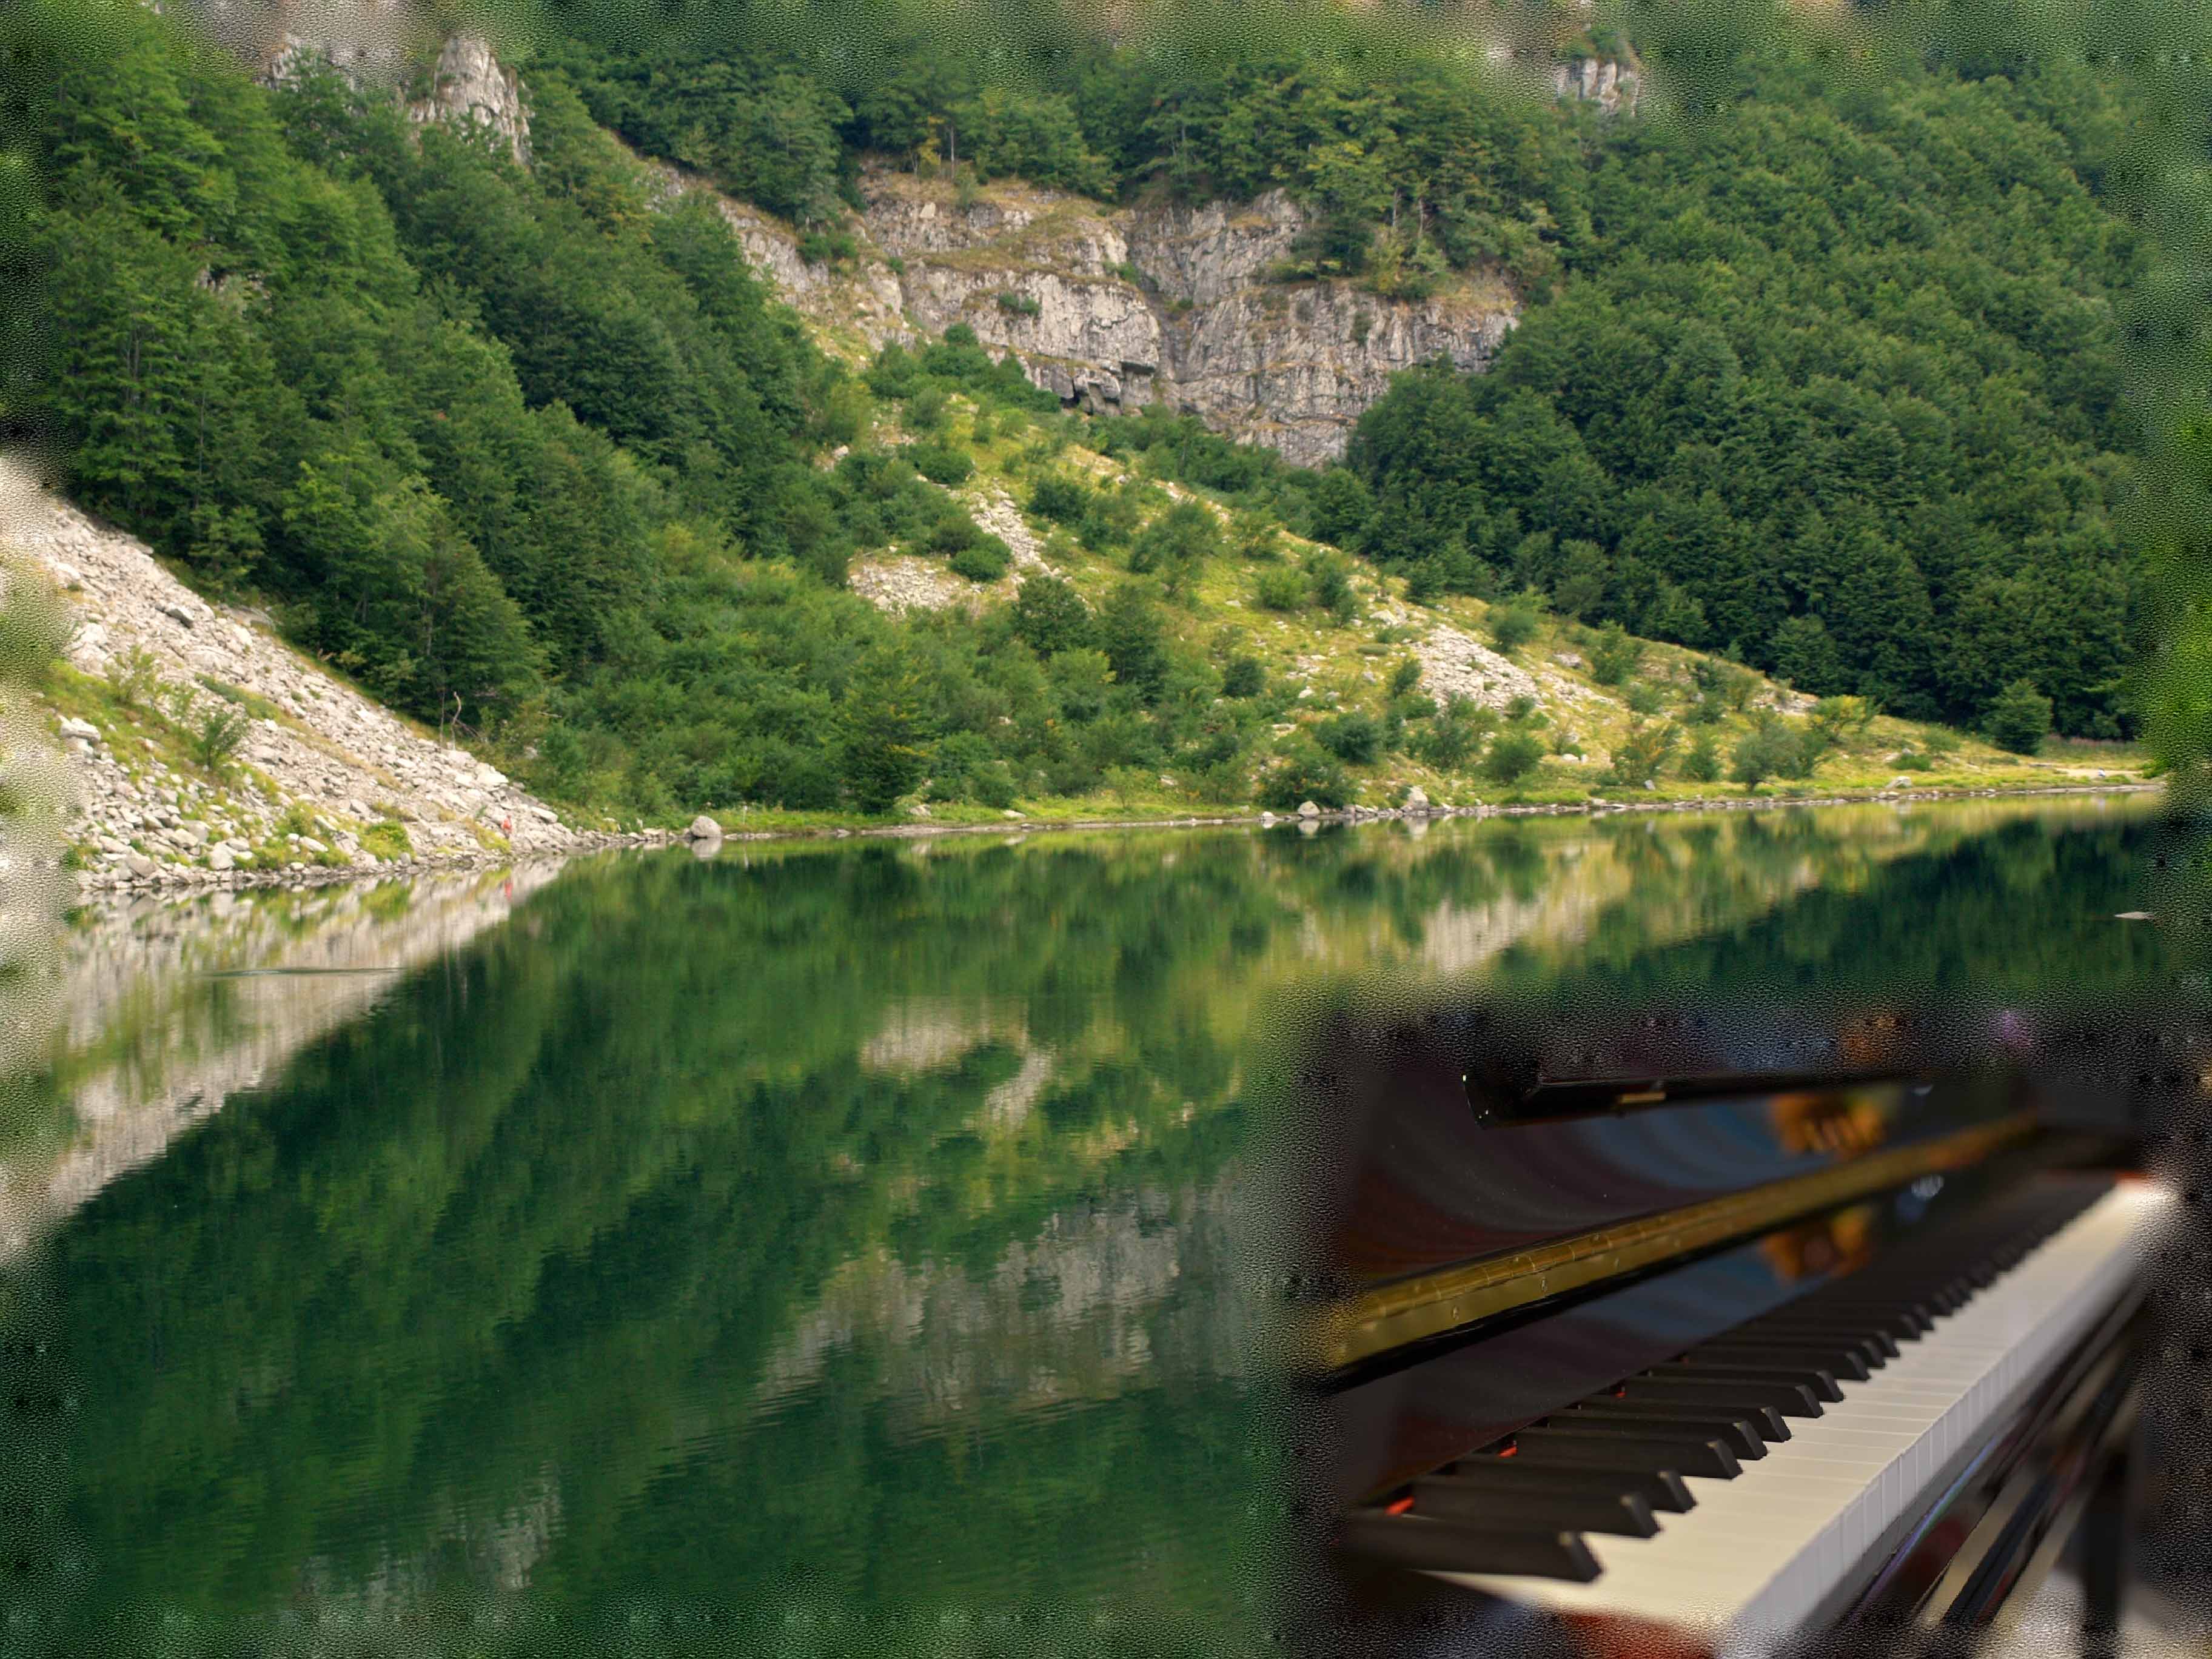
<point x="1176" y="541"/>
<point x="133" y="677"/>
<point x="1615" y="655"/>
<point x="1019" y="305"/>
<point x="1051" y="616"/>
<point x="1058" y="499"/>
<point x="1405" y="677"/>
<point x="1243" y="676"/>
<point x="1454" y="734"/>
<point x="1910" y="760"/>
<point x="1644" y="698"/>
<point x="1305" y="773"/>
<point x="2018" y="718"/>
<point x="985" y="561"/>
<point x="387" y="839"/>
<point x="1512" y="756"/>
<point x="1331" y="575"/>
<point x="1355" y="737"/>
<point x="1281" y="589"/>
<point x="1841" y="718"/>
<point x="1519" y="707"/>
<point x="925" y="410"/>
<point x="940" y="463"/>
<point x="1702" y="765"/>
<point x="217" y="737"/>
<point x="1639" y="755"/>
<point x="1081" y="679"/>
<point x="1771" y="749"/>
<point x="818" y="247"/>
<point x="1511" y="627"/>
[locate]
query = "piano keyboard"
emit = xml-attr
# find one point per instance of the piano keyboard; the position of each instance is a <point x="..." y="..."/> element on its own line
<point x="1734" y="1490"/>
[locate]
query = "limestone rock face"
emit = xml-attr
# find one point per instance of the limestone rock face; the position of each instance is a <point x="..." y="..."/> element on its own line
<point x="470" y="87"/>
<point x="1115" y="308"/>
<point x="1613" y="87"/>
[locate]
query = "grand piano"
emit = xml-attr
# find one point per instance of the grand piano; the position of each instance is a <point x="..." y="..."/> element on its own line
<point x="1693" y="1336"/>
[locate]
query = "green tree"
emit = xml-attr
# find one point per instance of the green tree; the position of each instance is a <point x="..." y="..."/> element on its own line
<point x="2018" y="718"/>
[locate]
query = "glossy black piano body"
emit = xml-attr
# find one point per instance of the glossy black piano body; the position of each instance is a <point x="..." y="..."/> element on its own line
<point x="1526" y="1241"/>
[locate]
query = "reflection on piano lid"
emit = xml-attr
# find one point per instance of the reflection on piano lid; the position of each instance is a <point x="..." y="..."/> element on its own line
<point x="1704" y="1365"/>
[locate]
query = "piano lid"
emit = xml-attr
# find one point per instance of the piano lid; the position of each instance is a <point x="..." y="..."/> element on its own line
<point x="1458" y="1167"/>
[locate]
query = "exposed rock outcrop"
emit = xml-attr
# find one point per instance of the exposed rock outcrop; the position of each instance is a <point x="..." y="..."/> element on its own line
<point x="470" y="87"/>
<point x="310" y="740"/>
<point x="1116" y="308"/>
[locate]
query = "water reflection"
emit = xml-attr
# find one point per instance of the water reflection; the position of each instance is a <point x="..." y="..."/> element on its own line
<point x="865" y="1245"/>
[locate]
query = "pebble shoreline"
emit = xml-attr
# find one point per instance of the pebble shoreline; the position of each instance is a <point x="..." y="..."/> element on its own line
<point x="172" y="878"/>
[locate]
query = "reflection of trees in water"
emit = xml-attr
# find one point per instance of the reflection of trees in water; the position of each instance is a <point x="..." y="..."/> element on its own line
<point x="763" y="1216"/>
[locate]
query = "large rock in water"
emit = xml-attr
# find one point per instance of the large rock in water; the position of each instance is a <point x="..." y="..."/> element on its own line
<point x="703" y="828"/>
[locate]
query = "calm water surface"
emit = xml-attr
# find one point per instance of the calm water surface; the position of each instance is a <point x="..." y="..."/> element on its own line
<point x="844" y="1250"/>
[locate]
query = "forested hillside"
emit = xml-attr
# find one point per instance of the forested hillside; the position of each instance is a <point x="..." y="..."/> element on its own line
<point x="1825" y="383"/>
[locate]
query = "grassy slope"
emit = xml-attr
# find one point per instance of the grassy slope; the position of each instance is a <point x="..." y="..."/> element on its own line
<point x="1346" y="667"/>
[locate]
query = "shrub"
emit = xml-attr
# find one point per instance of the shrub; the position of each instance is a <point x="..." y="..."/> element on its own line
<point x="1639" y="755"/>
<point x="1176" y="541"/>
<point x="1910" y="760"/>
<point x="924" y="411"/>
<point x="818" y="247"/>
<point x="1243" y="676"/>
<point x="1305" y="773"/>
<point x="1937" y="741"/>
<point x="1702" y="763"/>
<point x="1280" y="589"/>
<point x="1454" y="733"/>
<point x="1839" y="718"/>
<point x="2018" y="717"/>
<point x="387" y="839"/>
<point x="940" y="463"/>
<point x="1644" y="698"/>
<point x="1519" y="707"/>
<point x="133" y="676"/>
<point x="985" y="561"/>
<point x="1511" y="627"/>
<point x="1060" y="498"/>
<point x="1405" y="677"/>
<point x="1019" y="305"/>
<point x="1331" y="575"/>
<point x="1769" y="749"/>
<point x="1615" y="655"/>
<point x="1081" y="679"/>
<point x="1051" y="615"/>
<point x="1355" y="737"/>
<point x="1512" y="756"/>
<point x="217" y="737"/>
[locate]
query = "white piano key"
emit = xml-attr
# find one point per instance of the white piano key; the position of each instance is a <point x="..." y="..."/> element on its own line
<point x="1758" y="1553"/>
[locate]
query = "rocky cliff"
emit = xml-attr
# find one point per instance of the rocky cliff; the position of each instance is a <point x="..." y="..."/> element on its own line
<point x="1116" y="308"/>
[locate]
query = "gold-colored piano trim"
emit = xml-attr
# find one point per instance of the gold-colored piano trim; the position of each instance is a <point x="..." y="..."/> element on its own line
<point x="1375" y="1322"/>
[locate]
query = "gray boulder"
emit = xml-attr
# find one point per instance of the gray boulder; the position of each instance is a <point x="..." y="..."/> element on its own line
<point x="703" y="828"/>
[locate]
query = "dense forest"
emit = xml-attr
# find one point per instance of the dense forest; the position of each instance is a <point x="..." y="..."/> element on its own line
<point x="1828" y="382"/>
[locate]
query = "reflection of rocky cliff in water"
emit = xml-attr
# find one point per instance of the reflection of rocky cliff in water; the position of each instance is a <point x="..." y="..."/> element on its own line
<point x="1080" y="1311"/>
<point x="163" y="1008"/>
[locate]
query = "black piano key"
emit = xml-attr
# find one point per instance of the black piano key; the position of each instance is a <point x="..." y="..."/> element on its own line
<point x="1791" y="1399"/>
<point x="1821" y="1380"/>
<point x="1565" y="1451"/>
<point x="1622" y="1512"/>
<point x="1871" y="1352"/>
<point x="1741" y="1434"/>
<point x="1663" y="1489"/>
<point x="1764" y="1420"/>
<point x="1686" y="1451"/>
<point x="1881" y="1343"/>
<point x="1414" y="1540"/>
<point x="1845" y="1361"/>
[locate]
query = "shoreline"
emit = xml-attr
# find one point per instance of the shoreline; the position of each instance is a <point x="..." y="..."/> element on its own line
<point x="172" y="880"/>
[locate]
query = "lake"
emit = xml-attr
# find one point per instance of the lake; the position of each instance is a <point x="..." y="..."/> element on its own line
<point x="865" y="1247"/>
